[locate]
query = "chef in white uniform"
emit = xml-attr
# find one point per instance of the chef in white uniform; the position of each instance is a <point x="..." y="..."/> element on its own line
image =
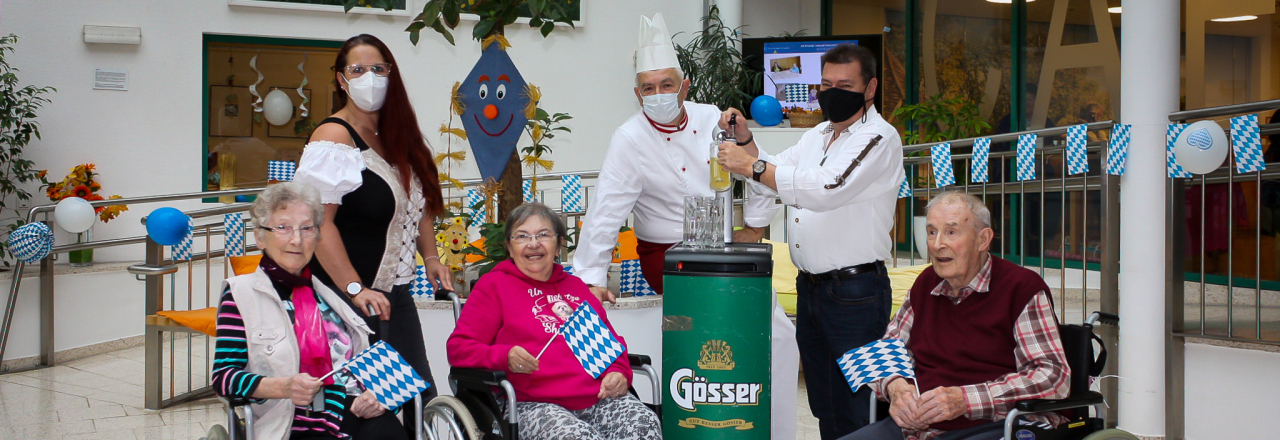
<point x="656" y="158"/>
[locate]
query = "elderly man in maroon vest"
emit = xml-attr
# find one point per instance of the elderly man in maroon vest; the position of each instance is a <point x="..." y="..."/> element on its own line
<point x="981" y="331"/>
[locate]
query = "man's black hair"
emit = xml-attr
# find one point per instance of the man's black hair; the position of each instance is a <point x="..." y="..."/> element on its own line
<point x="846" y="53"/>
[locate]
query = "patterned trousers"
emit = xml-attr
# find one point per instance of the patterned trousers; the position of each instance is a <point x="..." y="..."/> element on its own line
<point x="620" y="418"/>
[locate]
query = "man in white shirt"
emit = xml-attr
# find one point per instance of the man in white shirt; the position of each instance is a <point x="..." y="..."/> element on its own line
<point x="841" y="181"/>
<point x="656" y="158"/>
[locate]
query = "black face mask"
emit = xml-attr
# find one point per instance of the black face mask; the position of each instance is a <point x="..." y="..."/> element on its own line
<point x="839" y="104"/>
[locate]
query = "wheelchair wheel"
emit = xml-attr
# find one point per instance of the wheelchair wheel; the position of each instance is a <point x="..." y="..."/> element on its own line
<point x="446" y="418"/>
<point x="217" y="432"/>
<point x="1111" y="434"/>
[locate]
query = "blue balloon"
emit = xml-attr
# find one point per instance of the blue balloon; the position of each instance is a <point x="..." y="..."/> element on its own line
<point x="243" y="198"/>
<point x="766" y="110"/>
<point x="31" y="242"/>
<point x="168" y="226"/>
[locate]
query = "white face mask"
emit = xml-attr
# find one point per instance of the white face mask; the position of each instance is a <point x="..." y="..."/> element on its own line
<point x="662" y="108"/>
<point x="368" y="91"/>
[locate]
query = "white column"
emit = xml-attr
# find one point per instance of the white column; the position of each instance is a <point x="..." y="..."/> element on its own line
<point x="1149" y="92"/>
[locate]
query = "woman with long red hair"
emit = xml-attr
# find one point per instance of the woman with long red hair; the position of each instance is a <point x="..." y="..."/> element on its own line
<point x="381" y="196"/>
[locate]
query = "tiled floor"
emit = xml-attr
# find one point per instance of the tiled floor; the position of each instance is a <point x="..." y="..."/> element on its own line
<point x="100" y="397"/>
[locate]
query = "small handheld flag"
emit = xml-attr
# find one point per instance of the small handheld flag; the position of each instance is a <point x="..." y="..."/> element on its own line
<point x="382" y="370"/>
<point x="876" y="360"/>
<point x="591" y="341"/>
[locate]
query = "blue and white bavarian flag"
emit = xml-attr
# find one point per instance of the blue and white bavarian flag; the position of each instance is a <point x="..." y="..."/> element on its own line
<point x="382" y="370"/>
<point x="1077" y="149"/>
<point x="1246" y="142"/>
<point x="978" y="165"/>
<point x="877" y="360"/>
<point x="591" y="341"/>
<point x="1026" y="159"/>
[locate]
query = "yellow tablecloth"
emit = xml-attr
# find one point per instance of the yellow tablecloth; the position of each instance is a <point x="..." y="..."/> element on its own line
<point x="784" y="279"/>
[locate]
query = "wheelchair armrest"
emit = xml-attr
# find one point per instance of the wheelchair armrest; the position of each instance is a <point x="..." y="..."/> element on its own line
<point x="1082" y="400"/>
<point x="233" y="401"/>
<point x="639" y="360"/>
<point x="480" y="375"/>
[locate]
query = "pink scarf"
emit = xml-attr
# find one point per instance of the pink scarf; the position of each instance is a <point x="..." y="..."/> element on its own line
<point x="308" y="325"/>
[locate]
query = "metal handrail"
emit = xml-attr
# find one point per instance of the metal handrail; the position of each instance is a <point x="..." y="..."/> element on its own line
<point x="1209" y="112"/>
<point x="46" y="265"/>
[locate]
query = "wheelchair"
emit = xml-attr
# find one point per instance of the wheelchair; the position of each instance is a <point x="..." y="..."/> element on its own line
<point x="1077" y="341"/>
<point x="474" y="411"/>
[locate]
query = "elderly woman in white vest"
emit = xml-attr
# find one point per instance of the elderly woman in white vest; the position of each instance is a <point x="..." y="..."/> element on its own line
<point x="279" y="329"/>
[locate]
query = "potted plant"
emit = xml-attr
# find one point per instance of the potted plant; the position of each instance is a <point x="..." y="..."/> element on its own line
<point x="18" y="106"/>
<point x="937" y="119"/>
<point x="713" y="64"/>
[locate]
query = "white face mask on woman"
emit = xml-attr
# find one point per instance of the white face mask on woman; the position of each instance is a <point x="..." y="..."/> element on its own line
<point x="662" y="108"/>
<point x="368" y="91"/>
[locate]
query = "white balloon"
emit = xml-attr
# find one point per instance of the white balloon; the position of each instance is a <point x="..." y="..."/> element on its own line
<point x="278" y="108"/>
<point x="74" y="215"/>
<point x="1201" y="147"/>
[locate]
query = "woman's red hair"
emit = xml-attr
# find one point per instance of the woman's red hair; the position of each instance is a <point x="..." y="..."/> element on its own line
<point x="402" y="141"/>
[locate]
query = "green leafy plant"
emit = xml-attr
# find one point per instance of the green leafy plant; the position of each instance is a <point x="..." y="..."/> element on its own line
<point x="443" y="16"/>
<point x="713" y="64"/>
<point x="940" y="119"/>
<point x="18" y="106"/>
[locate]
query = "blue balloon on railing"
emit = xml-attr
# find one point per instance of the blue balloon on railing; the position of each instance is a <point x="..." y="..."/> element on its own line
<point x="766" y="110"/>
<point x="168" y="226"/>
<point x="31" y="242"/>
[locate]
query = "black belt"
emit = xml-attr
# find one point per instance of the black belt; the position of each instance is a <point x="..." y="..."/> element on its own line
<point x="842" y="273"/>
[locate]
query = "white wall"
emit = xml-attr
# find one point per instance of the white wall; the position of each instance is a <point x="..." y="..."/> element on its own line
<point x="1231" y="393"/>
<point x="147" y="140"/>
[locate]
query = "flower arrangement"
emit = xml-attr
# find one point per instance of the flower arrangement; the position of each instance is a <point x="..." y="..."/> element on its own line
<point x="80" y="182"/>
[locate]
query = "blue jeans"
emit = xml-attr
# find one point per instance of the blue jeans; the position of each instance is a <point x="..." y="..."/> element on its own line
<point x="833" y="317"/>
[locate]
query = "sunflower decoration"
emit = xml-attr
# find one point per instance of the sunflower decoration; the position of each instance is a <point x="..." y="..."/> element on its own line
<point x="81" y="181"/>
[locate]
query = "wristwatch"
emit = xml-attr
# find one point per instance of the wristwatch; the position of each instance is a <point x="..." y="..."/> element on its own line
<point x="354" y="288"/>
<point x="757" y="169"/>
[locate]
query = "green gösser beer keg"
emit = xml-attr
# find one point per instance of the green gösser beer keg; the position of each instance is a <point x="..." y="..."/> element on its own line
<point x="716" y="342"/>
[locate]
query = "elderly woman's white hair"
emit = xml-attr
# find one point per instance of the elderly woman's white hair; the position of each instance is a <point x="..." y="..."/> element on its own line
<point x="981" y="215"/>
<point x="280" y="195"/>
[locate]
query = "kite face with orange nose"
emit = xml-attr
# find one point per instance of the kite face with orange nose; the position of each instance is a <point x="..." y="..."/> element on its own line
<point x="494" y="98"/>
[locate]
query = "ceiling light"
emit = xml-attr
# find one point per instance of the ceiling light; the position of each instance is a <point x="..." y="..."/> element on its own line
<point x="1114" y="9"/>
<point x="1240" y="18"/>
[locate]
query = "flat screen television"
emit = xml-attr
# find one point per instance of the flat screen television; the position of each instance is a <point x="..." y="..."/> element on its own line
<point x="792" y="66"/>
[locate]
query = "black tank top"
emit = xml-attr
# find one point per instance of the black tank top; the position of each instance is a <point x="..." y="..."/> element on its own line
<point x="362" y="220"/>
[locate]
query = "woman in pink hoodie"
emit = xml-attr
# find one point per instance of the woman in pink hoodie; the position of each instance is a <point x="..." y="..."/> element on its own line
<point x="514" y="310"/>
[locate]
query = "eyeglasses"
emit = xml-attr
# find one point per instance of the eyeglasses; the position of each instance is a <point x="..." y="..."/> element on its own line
<point x="357" y="70"/>
<point x="542" y="237"/>
<point x="283" y="231"/>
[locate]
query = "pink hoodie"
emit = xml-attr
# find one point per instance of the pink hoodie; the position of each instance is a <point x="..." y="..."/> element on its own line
<point x="507" y="309"/>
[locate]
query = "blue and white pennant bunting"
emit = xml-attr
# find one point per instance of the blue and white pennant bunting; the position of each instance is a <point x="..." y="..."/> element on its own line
<point x="527" y="187"/>
<point x="234" y="244"/>
<point x="1027" y="157"/>
<point x="1171" y="160"/>
<point x="1077" y="149"/>
<point x="978" y="166"/>
<point x="421" y="285"/>
<point x="182" y="250"/>
<point x="1246" y="142"/>
<point x="904" y="190"/>
<point x="632" y="279"/>
<point x="571" y="194"/>
<point x="944" y="173"/>
<point x="281" y="170"/>
<point x="591" y="340"/>
<point x="1118" y="152"/>
<point x="474" y="197"/>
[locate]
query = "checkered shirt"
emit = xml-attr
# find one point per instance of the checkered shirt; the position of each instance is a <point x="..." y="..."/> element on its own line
<point x="1041" y="359"/>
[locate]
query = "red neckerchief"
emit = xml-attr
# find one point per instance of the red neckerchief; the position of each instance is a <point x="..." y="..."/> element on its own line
<point x="668" y="129"/>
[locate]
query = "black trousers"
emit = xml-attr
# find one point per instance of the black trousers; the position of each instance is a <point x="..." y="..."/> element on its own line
<point x="833" y="317"/>
<point x="385" y="426"/>
<point x="404" y="333"/>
